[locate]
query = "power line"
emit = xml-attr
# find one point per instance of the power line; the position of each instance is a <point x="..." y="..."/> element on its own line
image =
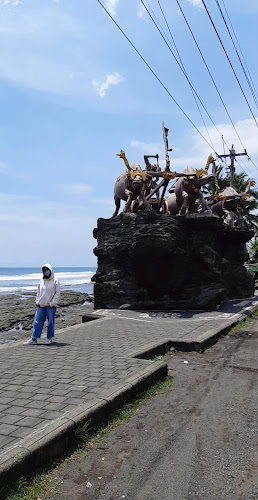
<point x="191" y="86"/>
<point x="155" y="75"/>
<point x="240" y="49"/>
<point x="239" y="58"/>
<point x="237" y="161"/>
<point x="226" y="54"/>
<point x="208" y="69"/>
<point x="182" y="69"/>
<point x="213" y="81"/>
<point x="180" y="59"/>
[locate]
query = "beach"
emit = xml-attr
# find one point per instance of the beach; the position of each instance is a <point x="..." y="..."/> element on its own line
<point x="17" y="313"/>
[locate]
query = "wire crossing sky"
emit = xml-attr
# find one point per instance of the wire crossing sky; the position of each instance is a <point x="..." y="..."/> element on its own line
<point x="238" y="55"/>
<point x="230" y="63"/>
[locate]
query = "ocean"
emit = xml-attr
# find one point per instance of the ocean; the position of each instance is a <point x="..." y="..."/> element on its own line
<point x="17" y="280"/>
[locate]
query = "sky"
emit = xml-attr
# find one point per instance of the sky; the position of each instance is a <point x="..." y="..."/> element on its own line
<point x="73" y="93"/>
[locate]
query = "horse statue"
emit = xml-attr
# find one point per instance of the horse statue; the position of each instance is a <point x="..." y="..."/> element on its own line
<point x="186" y="196"/>
<point x="130" y="186"/>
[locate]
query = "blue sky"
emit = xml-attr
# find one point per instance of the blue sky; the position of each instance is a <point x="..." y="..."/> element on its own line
<point x="73" y="93"/>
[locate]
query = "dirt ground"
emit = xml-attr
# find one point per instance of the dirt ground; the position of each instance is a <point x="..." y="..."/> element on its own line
<point x="195" y="440"/>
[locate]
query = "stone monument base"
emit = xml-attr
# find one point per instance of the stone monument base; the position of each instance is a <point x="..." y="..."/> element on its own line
<point x="151" y="261"/>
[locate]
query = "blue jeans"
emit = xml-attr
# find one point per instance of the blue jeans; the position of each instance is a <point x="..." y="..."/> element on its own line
<point x="41" y="314"/>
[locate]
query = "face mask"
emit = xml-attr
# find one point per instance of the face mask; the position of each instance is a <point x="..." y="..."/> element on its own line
<point x="47" y="273"/>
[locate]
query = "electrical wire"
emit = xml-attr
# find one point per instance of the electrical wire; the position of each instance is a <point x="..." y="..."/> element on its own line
<point x="180" y="59"/>
<point x="239" y="58"/>
<point x="213" y="81"/>
<point x="230" y="63"/>
<point x="237" y="161"/>
<point x="208" y="69"/>
<point x="182" y="69"/>
<point x="243" y="57"/>
<point x="155" y="75"/>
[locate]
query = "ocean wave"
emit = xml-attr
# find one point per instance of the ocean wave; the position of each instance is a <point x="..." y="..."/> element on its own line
<point x="76" y="286"/>
<point x="20" y="277"/>
<point x="37" y="276"/>
<point x="14" y="289"/>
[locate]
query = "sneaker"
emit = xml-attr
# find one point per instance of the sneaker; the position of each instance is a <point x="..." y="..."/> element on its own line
<point x="30" y="342"/>
<point x="48" y="341"/>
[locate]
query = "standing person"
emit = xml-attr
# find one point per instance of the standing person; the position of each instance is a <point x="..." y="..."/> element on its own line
<point x="46" y="301"/>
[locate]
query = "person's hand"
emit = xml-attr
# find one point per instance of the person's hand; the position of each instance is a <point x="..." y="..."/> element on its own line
<point x="49" y="306"/>
<point x="37" y="305"/>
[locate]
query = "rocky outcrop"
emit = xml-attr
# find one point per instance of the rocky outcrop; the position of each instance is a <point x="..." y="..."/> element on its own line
<point x="153" y="261"/>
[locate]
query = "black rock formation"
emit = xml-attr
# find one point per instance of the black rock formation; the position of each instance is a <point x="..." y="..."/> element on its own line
<point x="153" y="261"/>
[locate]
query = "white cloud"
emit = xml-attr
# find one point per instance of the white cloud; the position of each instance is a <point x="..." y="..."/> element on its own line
<point x="11" y="2"/>
<point x="149" y="148"/>
<point x="33" y="53"/>
<point x="196" y="3"/>
<point x="141" y="11"/>
<point x="26" y="218"/>
<point x="199" y="150"/>
<point x="111" y="6"/>
<point x="112" y="79"/>
<point x="77" y="188"/>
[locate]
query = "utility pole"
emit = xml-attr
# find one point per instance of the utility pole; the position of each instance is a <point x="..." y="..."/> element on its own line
<point x="232" y="155"/>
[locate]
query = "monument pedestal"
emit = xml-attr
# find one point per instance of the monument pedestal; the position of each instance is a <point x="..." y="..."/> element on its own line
<point x="154" y="261"/>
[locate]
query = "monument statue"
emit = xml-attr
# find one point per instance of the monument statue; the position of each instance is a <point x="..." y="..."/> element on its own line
<point x="171" y="252"/>
<point x="129" y="186"/>
<point x="186" y="196"/>
<point x="229" y="204"/>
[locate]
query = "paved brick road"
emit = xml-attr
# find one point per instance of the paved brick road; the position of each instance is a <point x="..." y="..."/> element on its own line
<point x="40" y="384"/>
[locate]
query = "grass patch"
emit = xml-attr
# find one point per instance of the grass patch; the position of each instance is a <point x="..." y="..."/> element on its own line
<point x="29" y="489"/>
<point x="88" y="439"/>
<point x="242" y="324"/>
<point x="165" y="352"/>
<point x="45" y="482"/>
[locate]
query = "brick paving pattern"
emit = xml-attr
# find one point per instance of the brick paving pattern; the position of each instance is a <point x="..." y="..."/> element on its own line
<point x="41" y="383"/>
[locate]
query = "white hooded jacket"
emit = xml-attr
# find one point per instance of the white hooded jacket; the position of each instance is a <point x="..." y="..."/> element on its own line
<point x="48" y="290"/>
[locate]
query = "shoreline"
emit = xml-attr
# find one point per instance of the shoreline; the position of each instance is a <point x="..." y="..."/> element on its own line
<point x="17" y="313"/>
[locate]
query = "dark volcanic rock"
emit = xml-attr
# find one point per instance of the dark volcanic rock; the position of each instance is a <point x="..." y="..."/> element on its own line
<point x="154" y="261"/>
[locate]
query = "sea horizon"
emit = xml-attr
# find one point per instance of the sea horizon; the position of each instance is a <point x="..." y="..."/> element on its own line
<point x="24" y="279"/>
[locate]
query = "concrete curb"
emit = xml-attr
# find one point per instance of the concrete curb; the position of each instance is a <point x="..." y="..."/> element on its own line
<point x="205" y="340"/>
<point x="57" y="437"/>
<point x="210" y="337"/>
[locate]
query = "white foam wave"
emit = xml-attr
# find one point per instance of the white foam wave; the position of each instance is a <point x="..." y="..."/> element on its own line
<point x="37" y="276"/>
<point x="29" y="282"/>
<point x="13" y="289"/>
<point x="20" y="277"/>
<point x="74" y="282"/>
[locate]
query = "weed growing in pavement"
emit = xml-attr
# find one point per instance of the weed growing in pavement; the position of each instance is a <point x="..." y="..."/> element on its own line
<point x="46" y="482"/>
<point x="165" y="352"/>
<point x="241" y="324"/>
